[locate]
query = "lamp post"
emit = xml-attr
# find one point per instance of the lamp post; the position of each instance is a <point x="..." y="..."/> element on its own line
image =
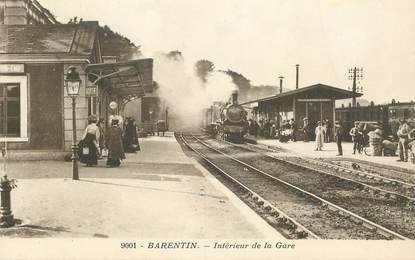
<point x="150" y="113"/>
<point x="72" y="84"/>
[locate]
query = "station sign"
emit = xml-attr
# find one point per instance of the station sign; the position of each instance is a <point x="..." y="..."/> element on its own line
<point x="12" y="68"/>
<point x="91" y="91"/>
<point x="314" y="100"/>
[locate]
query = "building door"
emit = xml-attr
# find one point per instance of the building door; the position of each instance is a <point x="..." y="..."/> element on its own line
<point x="314" y="113"/>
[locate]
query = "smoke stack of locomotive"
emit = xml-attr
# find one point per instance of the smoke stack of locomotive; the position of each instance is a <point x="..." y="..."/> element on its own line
<point x="235" y="97"/>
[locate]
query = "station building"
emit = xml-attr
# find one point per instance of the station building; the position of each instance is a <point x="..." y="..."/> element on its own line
<point x="25" y="12"/>
<point x="35" y="110"/>
<point x="315" y="102"/>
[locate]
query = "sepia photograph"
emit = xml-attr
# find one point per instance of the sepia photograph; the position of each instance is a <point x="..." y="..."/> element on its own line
<point x="207" y="129"/>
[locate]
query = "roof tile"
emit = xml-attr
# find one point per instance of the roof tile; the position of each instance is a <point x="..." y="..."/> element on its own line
<point x="44" y="39"/>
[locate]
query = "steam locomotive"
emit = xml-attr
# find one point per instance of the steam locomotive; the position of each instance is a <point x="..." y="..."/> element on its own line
<point x="227" y="120"/>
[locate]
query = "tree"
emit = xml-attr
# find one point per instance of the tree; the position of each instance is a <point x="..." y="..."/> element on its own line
<point x="115" y="44"/>
<point x="175" y="55"/>
<point x="239" y="80"/>
<point x="203" y="69"/>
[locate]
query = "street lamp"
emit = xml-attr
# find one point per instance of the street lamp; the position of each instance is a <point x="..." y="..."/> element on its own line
<point x="72" y="84"/>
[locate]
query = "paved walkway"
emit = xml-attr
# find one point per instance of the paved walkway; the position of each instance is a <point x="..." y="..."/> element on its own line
<point x="330" y="151"/>
<point x="156" y="193"/>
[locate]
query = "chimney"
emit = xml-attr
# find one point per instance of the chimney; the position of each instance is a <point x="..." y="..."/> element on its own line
<point x="296" y="76"/>
<point x="281" y="84"/>
<point x="235" y="97"/>
<point x="14" y="12"/>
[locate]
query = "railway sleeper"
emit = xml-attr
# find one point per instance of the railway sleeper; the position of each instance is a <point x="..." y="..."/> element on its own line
<point x="275" y="213"/>
<point x="370" y="226"/>
<point x="355" y="220"/>
<point x="332" y="209"/>
<point x="387" y="235"/>
<point x="293" y="227"/>
<point x="301" y="234"/>
<point x="260" y="202"/>
<point x="343" y="214"/>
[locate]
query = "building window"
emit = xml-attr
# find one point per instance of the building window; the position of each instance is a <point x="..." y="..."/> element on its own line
<point x="13" y="108"/>
<point x="10" y="109"/>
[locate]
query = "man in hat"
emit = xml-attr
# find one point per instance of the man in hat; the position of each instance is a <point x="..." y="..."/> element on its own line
<point x="293" y="127"/>
<point x="306" y="129"/>
<point x="403" y="134"/>
<point x="338" y="134"/>
<point x="356" y="135"/>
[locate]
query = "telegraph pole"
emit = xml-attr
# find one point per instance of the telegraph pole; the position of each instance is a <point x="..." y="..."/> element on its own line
<point x="356" y="74"/>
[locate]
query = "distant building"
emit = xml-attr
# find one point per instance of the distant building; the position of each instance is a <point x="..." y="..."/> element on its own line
<point x="13" y="12"/>
<point x="315" y="102"/>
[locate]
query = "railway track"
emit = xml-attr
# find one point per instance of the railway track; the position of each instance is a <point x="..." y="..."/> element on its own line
<point x="364" y="170"/>
<point x="293" y="205"/>
<point x="383" y="186"/>
<point x="390" y="210"/>
<point x="401" y="190"/>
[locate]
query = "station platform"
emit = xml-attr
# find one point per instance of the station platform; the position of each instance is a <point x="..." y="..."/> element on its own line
<point x="330" y="151"/>
<point x="158" y="192"/>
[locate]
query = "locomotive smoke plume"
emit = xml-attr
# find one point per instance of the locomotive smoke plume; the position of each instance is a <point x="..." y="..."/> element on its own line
<point x="185" y="94"/>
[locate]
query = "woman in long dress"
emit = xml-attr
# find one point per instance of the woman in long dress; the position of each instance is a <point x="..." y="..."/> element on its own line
<point x="90" y="140"/>
<point x="319" y="136"/>
<point x="130" y="136"/>
<point x="113" y="141"/>
<point x="101" y="141"/>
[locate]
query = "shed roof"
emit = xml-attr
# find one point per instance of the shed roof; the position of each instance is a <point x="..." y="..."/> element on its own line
<point x="70" y="39"/>
<point x="337" y="93"/>
<point x="129" y="79"/>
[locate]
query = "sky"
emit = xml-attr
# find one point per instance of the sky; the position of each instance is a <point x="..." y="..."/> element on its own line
<point x="264" y="39"/>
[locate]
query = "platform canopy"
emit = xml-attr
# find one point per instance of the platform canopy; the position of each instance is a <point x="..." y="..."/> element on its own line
<point x="316" y="91"/>
<point x="129" y="80"/>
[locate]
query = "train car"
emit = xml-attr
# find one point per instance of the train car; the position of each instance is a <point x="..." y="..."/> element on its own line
<point x="386" y="117"/>
<point x="212" y="118"/>
<point x="397" y="111"/>
<point x="363" y="114"/>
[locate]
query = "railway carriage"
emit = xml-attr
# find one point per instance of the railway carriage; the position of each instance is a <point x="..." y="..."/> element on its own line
<point x="385" y="116"/>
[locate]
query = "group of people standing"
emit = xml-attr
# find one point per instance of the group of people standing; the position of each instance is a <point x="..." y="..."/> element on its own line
<point x="269" y="129"/>
<point x="323" y="134"/>
<point x="406" y="144"/>
<point x="112" y="140"/>
<point x="310" y="132"/>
